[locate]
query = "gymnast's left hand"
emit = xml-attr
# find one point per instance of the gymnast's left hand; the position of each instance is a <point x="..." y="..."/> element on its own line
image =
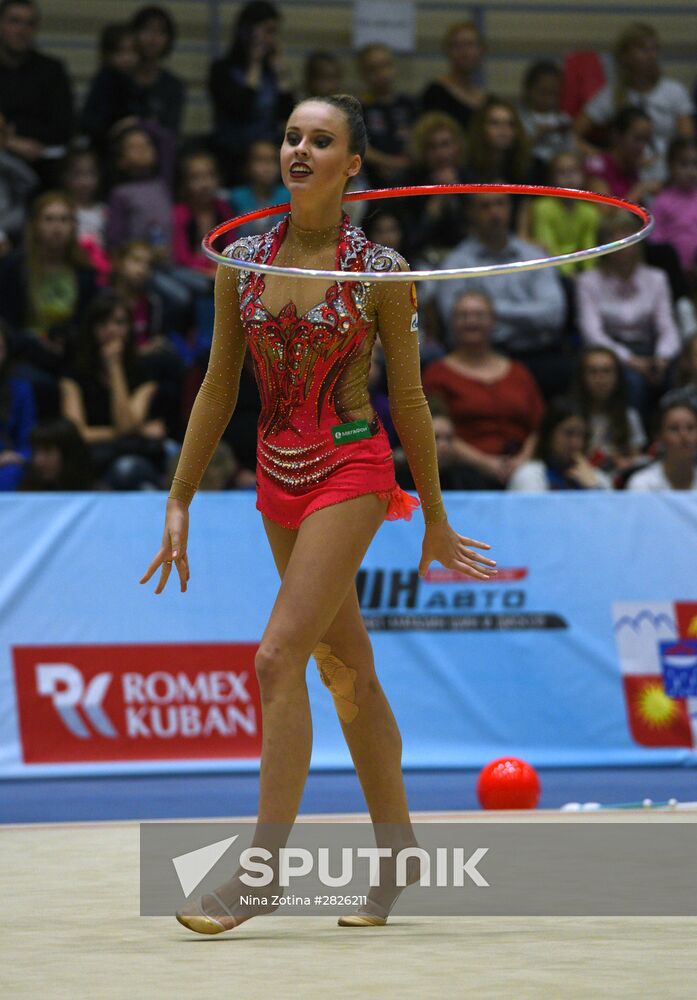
<point x="454" y="551"/>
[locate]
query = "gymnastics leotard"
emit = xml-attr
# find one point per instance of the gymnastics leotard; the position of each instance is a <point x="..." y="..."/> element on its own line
<point x="319" y="441"/>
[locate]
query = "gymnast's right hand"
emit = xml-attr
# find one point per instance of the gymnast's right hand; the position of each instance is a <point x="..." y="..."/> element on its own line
<point x="173" y="548"/>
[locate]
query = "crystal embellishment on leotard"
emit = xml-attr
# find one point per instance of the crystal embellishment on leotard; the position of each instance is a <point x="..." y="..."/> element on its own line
<point x="301" y="358"/>
<point x="305" y="478"/>
<point x="306" y="364"/>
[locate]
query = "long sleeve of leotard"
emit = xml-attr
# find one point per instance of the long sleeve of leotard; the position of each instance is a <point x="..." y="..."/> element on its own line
<point x="398" y="330"/>
<point x="217" y="396"/>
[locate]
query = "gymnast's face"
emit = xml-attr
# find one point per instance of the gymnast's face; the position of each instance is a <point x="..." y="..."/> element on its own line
<point x="315" y="155"/>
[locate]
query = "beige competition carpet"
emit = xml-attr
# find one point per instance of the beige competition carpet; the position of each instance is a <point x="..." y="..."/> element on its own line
<point x="70" y="929"/>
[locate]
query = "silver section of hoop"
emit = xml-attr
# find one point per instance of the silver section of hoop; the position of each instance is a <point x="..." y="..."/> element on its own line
<point x="438" y="275"/>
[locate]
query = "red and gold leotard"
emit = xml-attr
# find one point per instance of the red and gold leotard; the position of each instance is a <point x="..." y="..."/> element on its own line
<point x="319" y="440"/>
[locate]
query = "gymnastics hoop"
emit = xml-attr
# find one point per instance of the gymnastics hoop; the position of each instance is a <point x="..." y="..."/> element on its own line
<point x="450" y="273"/>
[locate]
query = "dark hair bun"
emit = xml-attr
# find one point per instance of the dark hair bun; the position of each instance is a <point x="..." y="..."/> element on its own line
<point x="352" y="110"/>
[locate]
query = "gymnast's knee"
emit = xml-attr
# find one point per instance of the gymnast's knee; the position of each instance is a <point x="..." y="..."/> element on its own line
<point x="277" y="668"/>
<point x="340" y="679"/>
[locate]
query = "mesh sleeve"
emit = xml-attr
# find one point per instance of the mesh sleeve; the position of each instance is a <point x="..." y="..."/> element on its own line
<point x="217" y="396"/>
<point x="398" y="329"/>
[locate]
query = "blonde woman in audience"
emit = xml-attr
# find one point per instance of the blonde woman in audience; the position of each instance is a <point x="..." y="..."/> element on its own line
<point x="639" y="82"/>
<point x="458" y="92"/>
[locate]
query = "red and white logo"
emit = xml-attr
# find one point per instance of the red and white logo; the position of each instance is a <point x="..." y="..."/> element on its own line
<point x="137" y="702"/>
<point x="643" y="631"/>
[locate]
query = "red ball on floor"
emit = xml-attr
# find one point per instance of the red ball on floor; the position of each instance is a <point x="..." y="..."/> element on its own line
<point x="508" y="783"/>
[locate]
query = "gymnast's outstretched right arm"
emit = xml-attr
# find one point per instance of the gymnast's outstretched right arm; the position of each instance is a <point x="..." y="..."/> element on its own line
<point x="210" y="415"/>
<point x="217" y="396"/>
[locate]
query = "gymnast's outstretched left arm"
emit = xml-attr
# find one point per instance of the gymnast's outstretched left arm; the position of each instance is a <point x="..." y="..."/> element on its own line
<point x="398" y="328"/>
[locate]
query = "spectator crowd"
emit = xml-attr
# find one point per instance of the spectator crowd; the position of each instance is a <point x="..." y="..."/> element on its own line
<point x="577" y="377"/>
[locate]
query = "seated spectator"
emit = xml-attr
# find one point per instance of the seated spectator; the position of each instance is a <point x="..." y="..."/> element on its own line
<point x="564" y="225"/>
<point x="44" y="290"/>
<point x="17" y="181"/>
<point x="677" y="439"/>
<point x="108" y="400"/>
<point x="494" y="403"/>
<point x="530" y="305"/>
<point x="452" y="472"/>
<point x="561" y="455"/>
<point x="141" y="209"/>
<point x="35" y="91"/>
<point x="639" y="82"/>
<point x="499" y="152"/>
<point x="109" y="96"/>
<point x="548" y="127"/>
<point x="140" y="206"/>
<point x="323" y="74"/>
<point x="616" y="433"/>
<point x="457" y="92"/>
<point x="675" y="207"/>
<point x="437" y="153"/>
<point x="263" y="187"/>
<point x="249" y="88"/>
<point x="618" y="171"/>
<point x="198" y="210"/>
<point x="498" y="148"/>
<point x="162" y="354"/>
<point x="686" y="376"/>
<point x="157" y="94"/>
<point x="17" y="418"/>
<point x="60" y="459"/>
<point x="82" y="182"/>
<point x="388" y="116"/>
<point x="626" y="306"/>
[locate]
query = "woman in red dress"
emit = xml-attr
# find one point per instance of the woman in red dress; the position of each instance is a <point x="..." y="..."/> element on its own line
<point x="325" y="481"/>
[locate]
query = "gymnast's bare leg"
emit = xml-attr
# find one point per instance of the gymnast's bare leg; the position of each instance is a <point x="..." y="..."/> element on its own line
<point x="367" y="722"/>
<point x="317" y="576"/>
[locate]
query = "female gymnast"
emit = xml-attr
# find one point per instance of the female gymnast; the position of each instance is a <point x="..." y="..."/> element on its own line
<point x="325" y="483"/>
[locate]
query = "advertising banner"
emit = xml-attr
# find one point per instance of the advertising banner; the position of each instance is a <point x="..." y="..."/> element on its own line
<point x="581" y="652"/>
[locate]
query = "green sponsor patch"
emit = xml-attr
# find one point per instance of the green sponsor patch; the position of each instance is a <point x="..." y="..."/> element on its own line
<point x="353" y="431"/>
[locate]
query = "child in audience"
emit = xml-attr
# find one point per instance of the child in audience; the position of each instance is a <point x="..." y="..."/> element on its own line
<point x="81" y="180"/>
<point x="616" y="434"/>
<point x="140" y="206"/>
<point x="263" y="187"/>
<point x="562" y="225"/>
<point x="547" y="126"/>
<point x="198" y="211"/>
<point x="618" y="171"/>
<point x="675" y="207"/>
<point x="561" y="458"/>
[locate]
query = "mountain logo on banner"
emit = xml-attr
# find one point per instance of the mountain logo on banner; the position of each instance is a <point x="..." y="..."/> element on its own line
<point x="658" y="664"/>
